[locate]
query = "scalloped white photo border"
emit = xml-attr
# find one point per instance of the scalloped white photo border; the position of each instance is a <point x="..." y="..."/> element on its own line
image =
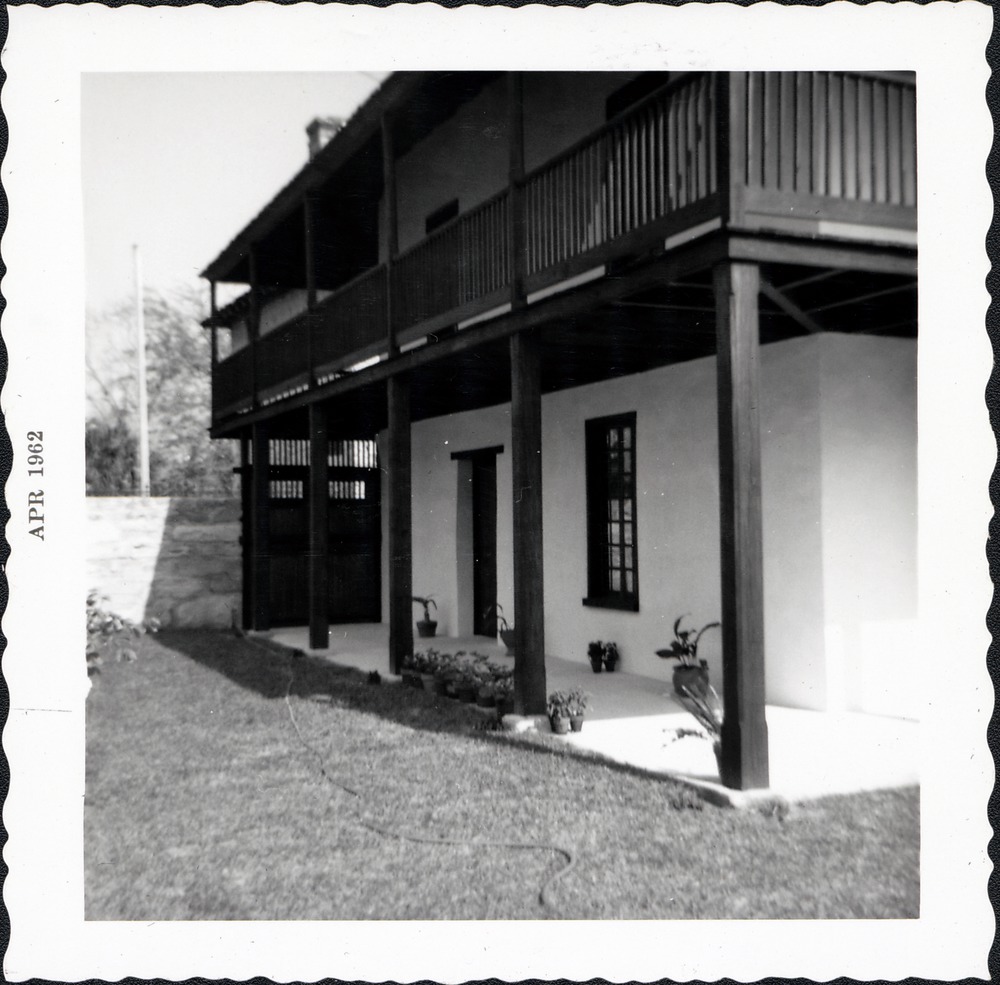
<point x="47" y="51"/>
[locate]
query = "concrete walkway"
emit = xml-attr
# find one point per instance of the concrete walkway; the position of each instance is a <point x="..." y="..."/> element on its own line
<point x="632" y="720"/>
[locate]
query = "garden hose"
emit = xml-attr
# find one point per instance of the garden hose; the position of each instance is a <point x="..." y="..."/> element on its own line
<point x="543" y="894"/>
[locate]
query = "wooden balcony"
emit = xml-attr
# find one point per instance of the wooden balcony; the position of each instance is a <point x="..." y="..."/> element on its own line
<point x="813" y="154"/>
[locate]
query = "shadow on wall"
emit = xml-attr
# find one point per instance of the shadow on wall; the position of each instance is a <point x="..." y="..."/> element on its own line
<point x="173" y="559"/>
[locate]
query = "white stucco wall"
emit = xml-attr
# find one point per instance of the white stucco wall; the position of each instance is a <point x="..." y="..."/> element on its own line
<point x="838" y="439"/>
<point x="869" y="412"/>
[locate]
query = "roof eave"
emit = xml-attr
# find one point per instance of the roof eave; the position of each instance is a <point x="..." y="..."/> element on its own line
<point x="349" y="141"/>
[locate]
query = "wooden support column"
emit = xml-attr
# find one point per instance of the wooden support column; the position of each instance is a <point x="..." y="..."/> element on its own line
<point x="246" y="529"/>
<point x="253" y="323"/>
<point x="526" y="466"/>
<point x="390" y="231"/>
<point x="309" y="246"/>
<point x="731" y="144"/>
<point x="516" y="239"/>
<point x="214" y="307"/>
<point x="260" y="522"/>
<point x="744" y="759"/>
<point x="400" y="523"/>
<point x="319" y="499"/>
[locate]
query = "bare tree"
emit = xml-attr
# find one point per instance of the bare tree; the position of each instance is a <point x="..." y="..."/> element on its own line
<point x="183" y="459"/>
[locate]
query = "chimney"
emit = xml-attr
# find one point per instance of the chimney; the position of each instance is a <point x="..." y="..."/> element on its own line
<point x="320" y="131"/>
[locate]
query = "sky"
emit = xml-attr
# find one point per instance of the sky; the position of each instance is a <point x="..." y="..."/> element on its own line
<point x="179" y="162"/>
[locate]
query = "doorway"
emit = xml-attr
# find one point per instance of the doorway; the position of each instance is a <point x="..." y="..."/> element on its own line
<point x="477" y="540"/>
<point x="484" y="544"/>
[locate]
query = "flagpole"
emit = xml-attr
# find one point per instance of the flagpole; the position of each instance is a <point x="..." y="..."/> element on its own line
<point x="140" y="325"/>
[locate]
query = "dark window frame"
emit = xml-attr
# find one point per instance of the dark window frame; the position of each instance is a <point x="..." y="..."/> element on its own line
<point x="612" y="540"/>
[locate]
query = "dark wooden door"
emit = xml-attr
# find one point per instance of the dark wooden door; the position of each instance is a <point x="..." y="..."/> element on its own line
<point x="484" y="543"/>
<point x="354" y="532"/>
<point x="355" y="529"/>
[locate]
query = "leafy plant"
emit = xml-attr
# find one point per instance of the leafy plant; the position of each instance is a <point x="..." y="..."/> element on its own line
<point x="502" y="625"/>
<point x="601" y="652"/>
<point x="558" y="704"/>
<point x="707" y="711"/>
<point x="577" y="701"/>
<point x="503" y="688"/>
<point x="109" y="634"/>
<point x="685" y="644"/>
<point x="426" y="601"/>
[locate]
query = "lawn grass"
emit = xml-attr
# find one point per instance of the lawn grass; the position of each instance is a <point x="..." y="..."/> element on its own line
<point x="204" y="803"/>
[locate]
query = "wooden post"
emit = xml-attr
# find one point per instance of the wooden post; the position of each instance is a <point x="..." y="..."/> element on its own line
<point x="390" y="221"/>
<point x="515" y="206"/>
<point x="253" y="325"/>
<point x="526" y="466"/>
<point x="246" y="529"/>
<point x="400" y="523"/>
<point x="319" y="499"/>
<point x="260" y="575"/>
<point x="309" y="246"/>
<point x="731" y="144"/>
<point x="744" y="759"/>
<point x="215" y="328"/>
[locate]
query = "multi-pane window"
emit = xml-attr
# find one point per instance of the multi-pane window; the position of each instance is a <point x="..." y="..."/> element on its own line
<point x="612" y="549"/>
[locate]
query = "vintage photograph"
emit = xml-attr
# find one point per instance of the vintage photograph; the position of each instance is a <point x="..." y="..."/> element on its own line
<point x="503" y="495"/>
<point x="573" y="399"/>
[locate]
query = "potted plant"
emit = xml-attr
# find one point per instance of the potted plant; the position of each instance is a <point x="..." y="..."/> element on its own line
<point x="426" y="627"/>
<point x="576" y="704"/>
<point x="603" y="656"/>
<point x="408" y="672"/>
<point x="557" y="707"/>
<point x="425" y="664"/>
<point x="486" y="696"/>
<point x="611" y="656"/>
<point x="690" y="674"/>
<point x="505" y="629"/>
<point x="707" y="710"/>
<point x="503" y="695"/>
<point x="595" y="653"/>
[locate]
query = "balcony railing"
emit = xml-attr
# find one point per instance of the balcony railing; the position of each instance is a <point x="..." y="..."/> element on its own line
<point x="625" y="178"/>
<point x="803" y="149"/>
<point x="458" y="271"/>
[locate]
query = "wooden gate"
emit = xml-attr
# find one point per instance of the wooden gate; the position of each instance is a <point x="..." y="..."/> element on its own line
<point x="354" y="531"/>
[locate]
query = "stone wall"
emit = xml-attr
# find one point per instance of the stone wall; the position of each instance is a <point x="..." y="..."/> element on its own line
<point x="174" y="559"/>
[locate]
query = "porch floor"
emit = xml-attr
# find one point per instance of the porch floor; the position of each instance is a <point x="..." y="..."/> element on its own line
<point x="632" y="719"/>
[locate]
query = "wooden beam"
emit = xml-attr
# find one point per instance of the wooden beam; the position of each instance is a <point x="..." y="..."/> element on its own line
<point x="260" y="504"/>
<point x="869" y="257"/>
<point x="681" y="262"/>
<point x="246" y="529"/>
<point x="319" y="504"/>
<point x="870" y="296"/>
<point x="526" y="468"/>
<point x="789" y="307"/>
<point x="398" y="470"/>
<point x="744" y="758"/>
<point x="516" y="224"/>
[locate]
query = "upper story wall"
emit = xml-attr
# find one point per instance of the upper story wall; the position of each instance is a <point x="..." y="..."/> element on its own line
<point x="468" y="157"/>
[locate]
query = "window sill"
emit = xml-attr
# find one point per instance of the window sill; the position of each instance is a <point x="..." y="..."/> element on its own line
<point x="627" y="603"/>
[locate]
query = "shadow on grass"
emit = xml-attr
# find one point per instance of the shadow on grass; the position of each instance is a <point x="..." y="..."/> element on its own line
<point x="272" y="671"/>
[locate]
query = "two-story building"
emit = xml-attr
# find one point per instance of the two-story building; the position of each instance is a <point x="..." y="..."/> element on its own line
<point x="604" y="347"/>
